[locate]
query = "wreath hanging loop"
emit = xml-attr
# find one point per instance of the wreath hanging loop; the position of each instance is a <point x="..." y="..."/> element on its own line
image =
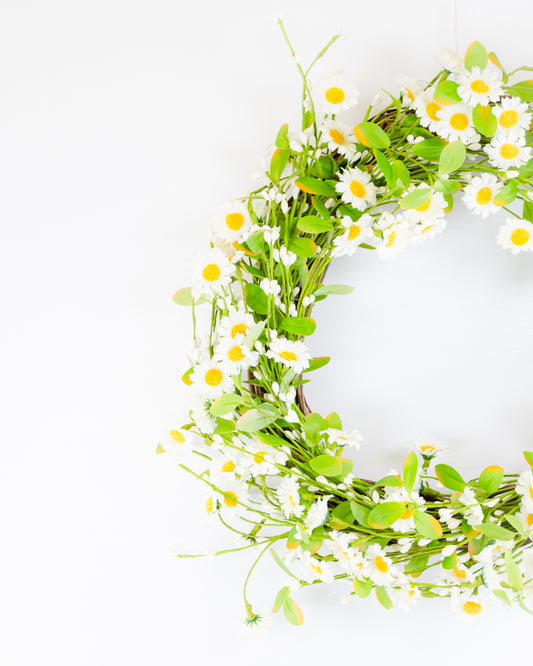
<point x="279" y="475"/>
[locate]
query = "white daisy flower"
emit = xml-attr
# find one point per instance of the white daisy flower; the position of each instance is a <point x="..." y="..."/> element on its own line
<point x="292" y="353"/>
<point x="409" y="89"/>
<point x="317" y="513"/>
<point x="201" y="415"/>
<point x="289" y="498"/>
<point x="406" y="595"/>
<point x="508" y="150"/>
<point x="314" y="569"/>
<point x="233" y="494"/>
<point x="380" y="569"/>
<point x="472" y="512"/>
<point x="525" y="516"/>
<point x="264" y="458"/>
<point x="479" y="194"/>
<point x="234" y="354"/>
<point x="396" y="235"/>
<point x="212" y="272"/>
<point x="356" y="188"/>
<point x="236" y="322"/>
<point x="339" y="137"/>
<point x="336" y="94"/>
<point x="226" y="464"/>
<point x="349" y="558"/>
<point x="427" y="109"/>
<point x="516" y="235"/>
<point x="427" y="212"/>
<point x="354" y="233"/>
<point x="450" y="61"/>
<point x="512" y="114"/>
<point x="524" y="487"/>
<point x="177" y="443"/>
<point x="428" y="449"/>
<point x="457" y="576"/>
<point x="480" y="87"/>
<point x="469" y="607"/>
<point x="232" y="222"/>
<point x="456" y="123"/>
<point x="342" y="438"/>
<point x="211" y="379"/>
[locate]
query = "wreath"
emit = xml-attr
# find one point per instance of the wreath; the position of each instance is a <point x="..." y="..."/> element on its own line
<point x="278" y="475"/>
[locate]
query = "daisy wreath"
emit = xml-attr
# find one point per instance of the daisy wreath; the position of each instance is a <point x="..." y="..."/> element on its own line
<point x="277" y="473"/>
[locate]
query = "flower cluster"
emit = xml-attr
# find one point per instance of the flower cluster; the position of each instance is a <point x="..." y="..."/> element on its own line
<point x="280" y="476"/>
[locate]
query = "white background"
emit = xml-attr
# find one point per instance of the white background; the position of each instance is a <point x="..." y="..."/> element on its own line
<point x="124" y="126"/>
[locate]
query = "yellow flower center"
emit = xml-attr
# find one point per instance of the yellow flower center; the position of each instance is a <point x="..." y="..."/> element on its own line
<point x="177" y="436"/>
<point x="410" y="94"/>
<point x="209" y="505"/>
<point x="316" y="568"/>
<point x="260" y="457"/>
<point x="484" y="196"/>
<point x="529" y="519"/>
<point x="427" y="448"/>
<point x="353" y="231"/>
<point x="228" y="466"/>
<point x="230" y="499"/>
<point x="432" y="110"/>
<point x="336" y="136"/>
<point x="508" y="118"/>
<point x="459" y="573"/>
<point x="234" y="221"/>
<point x="381" y="565"/>
<point x="472" y="608"/>
<point x="213" y="377"/>
<point x="459" y="121"/>
<point x="508" y="151"/>
<point x="407" y="514"/>
<point x="531" y="491"/>
<point x="479" y="86"/>
<point x="519" y="237"/>
<point x="235" y="354"/>
<point x="424" y="206"/>
<point x="288" y="356"/>
<point x="391" y="239"/>
<point x="238" y="328"/>
<point x="335" y="95"/>
<point x="211" y="272"/>
<point x="357" y="189"/>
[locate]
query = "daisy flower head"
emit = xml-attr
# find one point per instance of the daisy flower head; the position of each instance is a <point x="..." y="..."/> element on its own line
<point x="456" y="123"/>
<point x="289" y="497"/>
<point x="256" y="622"/>
<point x="339" y="137"/>
<point x="396" y="235"/>
<point x="336" y="94"/>
<point x="201" y="415"/>
<point x="356" y="188"/>
<point x="479" y="194"/>
<point x="427" y="230"/>
<point x="314" y="569"/>
<point x="428" y="450"/>
<point x="426" y="212"/>
<point x="317" y="513"/>
<point x="512" y="114"/>
<point x="524" y="487"/>
<point x="226" y="464"/>
<point x="212" y="272"/>
<point x="353" y="235"/>
<point x="409" y="89"/>
<point x="468" y="607"/>
<point x="406" y="595"/>
<point x="236" y="322"/>
<point x="516" y="235"/>
<point x="508" y="150"/>
<point x="380" y="569"/>
<point x="211" y="379"/>
<point x="427" y="109"/>
<point x="177" y="443"/>
<point x="233" y="493"/>
<point x="263" y="458"/>
<point x="234" y="354"/>
<point x="525" y="516"/>
<point x="478" y="86"/>
<point x="342" y="438"/>
<point x="232" y="222"/>
<point x="450" y="61"/>
<point x="292" y="353"/>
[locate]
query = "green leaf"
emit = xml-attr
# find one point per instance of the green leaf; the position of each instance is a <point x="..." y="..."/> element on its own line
<point x="362" y="587"/>
<point x="253" y="334"/>
<point x="496" y="61"/>
<point x="416" y="198"/>
<point x="282" y="139"/>
<point x="292" y="611"/>
<point x="323" y="168"/>
<point x="315" y="186"/>
<point x="476" y="56"/>
<point x="256" y="299"/>
<point x="447" y="186"/>
<point x="502" y="596"/>
<point x="316" y="363"/>
<point x="360" y="514"/>
<point x="452" y="157"/>
<point x="427" y="525"/>
<point x="507" y="194"/>
<point x="314" y="423"/>
<point x="224" y="426"/>
<point x="400" y="175"/>
<point x="417" y="564"/>
<point x="298" y="325"/>
<point x="495" y="531"/>
<point x="320" y="208"/>
<point x="225" y="403"/>
<point x="371" y="135"/>
<point x="410" y="469"/>
<point x="524" y="90"/>
<point x="528" y="455"/>
<point x="337" y="289"/>
<point x="343" y="515"/>
<point x="326" y="465"/>
<point x="256" y="242"/>
<point x="485" y="121"/>
<point x="384" y="165"/>
<point x="513" y="572"/>
<point x="333" y="420"/>
<point x="255" y="419"/>
<point x="527" y="211"/>
<point x="383" y="597"/>
<point x="352" y="212"/>
<point x="280" y="563"/>
<point x="183" y="296"/>
<point x="312" y="224"/>
<point x="302" y="247"/>
<point x="446" y="93"/>
<point x="279" y="161"/>
<point x="280" y="598"/>
<point x="449" y="477"/>
<point x="514" y="522"/>
<point x="347" y="466"/>
<point x="390" y="481"/>
<point x="429" y="149"/>
<point x="491" y="479"/>
<point x="450" y="561"/>
<point x="384" y="515"/>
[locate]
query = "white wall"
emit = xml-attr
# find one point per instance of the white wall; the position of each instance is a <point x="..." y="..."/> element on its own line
<point x="124" y="125"/>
